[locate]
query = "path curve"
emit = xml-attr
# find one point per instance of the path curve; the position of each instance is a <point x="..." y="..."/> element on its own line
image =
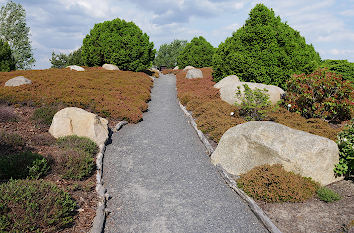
<point x="161" y="179"/>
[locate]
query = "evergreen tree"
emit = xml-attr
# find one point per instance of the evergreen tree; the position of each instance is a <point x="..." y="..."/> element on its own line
<point x="7" y="61"/>
<point x="168" y="53"/>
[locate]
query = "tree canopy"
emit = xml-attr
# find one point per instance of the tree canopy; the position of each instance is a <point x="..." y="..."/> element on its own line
<point x="62" y="60"/>
<point x="168" y="53"/>
<point x="7" y="61"/>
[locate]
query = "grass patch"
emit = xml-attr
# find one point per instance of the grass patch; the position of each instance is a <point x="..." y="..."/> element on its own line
<point x="125" y="97"/>
<point x="23" y="165"/>
<point x="271" y="183"/>
<point x="34" y="206"/>
<point x="327" y="195"/>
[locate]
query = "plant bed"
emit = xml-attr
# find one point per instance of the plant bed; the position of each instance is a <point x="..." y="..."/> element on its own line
<point x="28" y="136"/>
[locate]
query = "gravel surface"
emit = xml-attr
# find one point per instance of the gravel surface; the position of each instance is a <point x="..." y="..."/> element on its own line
<point x="161" y="179"/>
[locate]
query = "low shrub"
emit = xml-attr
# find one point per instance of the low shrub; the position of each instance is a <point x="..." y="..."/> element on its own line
<point x="346" y="151"/>
<point x="327" y="195"/>
<point x="271" y="183"/>
<point x="322" y="94"/>
<point x="78" y="161"/>
<point x="44" y="115"/>
<point x="34" y="206"/>
<point x="10" y="142"/>
<point x="7" y="114"/>
<point x="23" y="165"/>
<point x="254" y="103"/>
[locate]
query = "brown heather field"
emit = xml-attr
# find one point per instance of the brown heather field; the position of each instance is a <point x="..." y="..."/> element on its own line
<point x="213" y="115"/>
<point x="117" y="95"/>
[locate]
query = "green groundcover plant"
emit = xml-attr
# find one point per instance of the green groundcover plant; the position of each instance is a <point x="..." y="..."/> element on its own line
<point x="345" y="144"/>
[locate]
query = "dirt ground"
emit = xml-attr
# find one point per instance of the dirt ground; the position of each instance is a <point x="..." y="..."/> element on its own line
<point x="315" y="215"/>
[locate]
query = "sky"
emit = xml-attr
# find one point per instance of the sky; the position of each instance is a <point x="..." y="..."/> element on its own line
<point x="61" y="25"/>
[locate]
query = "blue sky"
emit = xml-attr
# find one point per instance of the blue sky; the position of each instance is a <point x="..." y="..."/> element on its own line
<point x="61" y="25"/>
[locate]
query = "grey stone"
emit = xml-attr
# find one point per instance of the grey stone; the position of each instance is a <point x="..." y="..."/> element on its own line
<point x="75" y="67"/>
<point x="255" y="143"/>
<point x="17" y="81"/>
<point x="188" y="68"/>
<point x="194" y="73"/>
<point x="110" y="67"/>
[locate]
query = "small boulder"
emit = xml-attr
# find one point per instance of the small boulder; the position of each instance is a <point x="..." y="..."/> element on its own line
<point x="188" y="68"/>
<point x="229" y="87"/>
<point x="17" y="81"/>
<point x="155" y="72"/>
<point x="76" y="121"/>
<point x="110" y="67"/>
<point x="194" y="73"/>
<point x="255" y="143"/>
<point x="176" y="68"/>
<point x="75" y="67"/>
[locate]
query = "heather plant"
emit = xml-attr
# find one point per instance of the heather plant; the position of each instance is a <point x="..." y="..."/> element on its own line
<point x="10" y="142"/>
<point x="34" y="206"/>
<point x="197" y="53"/>
<point x="78" y="143"/>
<point x="44" y="115"/>
<point x="327" y="195"/>
<point x="271" y="183"/>
<point x="322" y="94"/>
<point x="264" y="50"/>
<point x="120" y="43"/>
<point x="345" y="144"/>
<point x="7" y="114"/>
<point x="254" y="103"/>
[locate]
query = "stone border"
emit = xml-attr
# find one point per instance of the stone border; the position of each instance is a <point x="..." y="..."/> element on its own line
<point x="103" y="196"/>
<point x="265" y="220"/>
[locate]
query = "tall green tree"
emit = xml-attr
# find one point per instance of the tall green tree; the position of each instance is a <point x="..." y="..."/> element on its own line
<point x="168" y="53"/>
<point x="14" y="31"/>
<point x="63" y="60"/>
<point x="7" y="61"/>
<point x="197" y="53"/>
<point x="264" y="50"/>
<point x="342" y="67"/>
<point x="120" y="43"/>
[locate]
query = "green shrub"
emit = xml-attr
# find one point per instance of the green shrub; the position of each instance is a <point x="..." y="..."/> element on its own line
<point x="7" y="61"/>
<point x="327" y="195"/>
<point x="34" y="206"/>
<point x="346" y="151"/>
<point x="23" y="165"/>
<point x="78" y="161"/>
<point x="342" y="67"/>
<point x="168" y="53"/>
<point x="11" y="140"/>
<point x="7" y="114"/>
<point x="253" y="103"/>
<point x="271" y="183"/>
<point x="264" y="50"/>
<point x="120" y="43"/>
<point x="62" y="60"/>
<point x="197" y="53"/>
<point x="322" y="94"/>
<point x="44" y="115"/>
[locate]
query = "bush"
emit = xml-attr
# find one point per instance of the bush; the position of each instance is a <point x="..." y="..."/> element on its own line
<point x="197" y="53"/>
<point x="44" y="115"/>
<point x="7" y="61"/>
<point x="327" y="195"/>
<point x="254" y="103"/>
<point x="120" y="43"/>
<point x="78" y="161"/>
<point x="34" y="206"/>
<point x="10" y="142"/>
<point x="346" y="151"/>
<point x="168" y="53"/>
<point x="23" y="165"/>
<point x="321" y="94"/>
<point x="62" y="60"/>
<point x="271" y="183"/>
<point x="7" y="114"/>
<point x="342" y="67"/>
<point x="264" y="50"/>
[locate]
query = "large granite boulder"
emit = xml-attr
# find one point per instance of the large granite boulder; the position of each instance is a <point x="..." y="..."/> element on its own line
<point x="75" y="67"/>
<point x="17" y="81"/>
<point x="76" y="121"/>
<point x="176" y="68"/>
<point x="110" y="67"/>
<point x="188" y="68"/>
<point x="255" y="143"/>
<point x="229" y="86"/>
<point x="194" y="73"/>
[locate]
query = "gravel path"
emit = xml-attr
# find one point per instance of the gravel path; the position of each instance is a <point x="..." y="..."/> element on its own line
<point x="161" y="179"/>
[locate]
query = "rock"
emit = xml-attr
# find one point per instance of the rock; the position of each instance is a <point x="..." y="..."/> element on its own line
<point x="77" y="68"/>
<point x="155" y="72"/>
<point x="17" y="81"/>
<point x="110" y="67"/>
<point x="231" y="80"/>
<point x="194" y="73"/>
<point x="255" y="143"/>
<point x="228" y="89"/>
<point x="176" y="68"/>
<point x="188" y="68"/>
<point x="76" y="121"/>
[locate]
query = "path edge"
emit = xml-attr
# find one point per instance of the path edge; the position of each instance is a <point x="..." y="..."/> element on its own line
<point x="264" y="219"/>
<point x="103" y="196"/>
